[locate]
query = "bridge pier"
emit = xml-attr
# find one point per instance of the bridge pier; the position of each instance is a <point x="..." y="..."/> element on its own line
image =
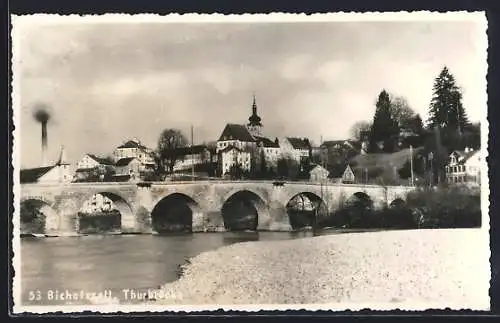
<point x="275" y="218"/>
<point x="210" y="221"/>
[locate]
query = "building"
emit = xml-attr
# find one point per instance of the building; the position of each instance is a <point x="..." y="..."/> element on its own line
<point x="192" y="156"/>
<point x="235" y="145"/>
<point x="91" y="165"/>
<point x="134" y="149"/>
<point x="318" y="174"/>
<point x="464" y="168"/>
<point x="270" y="150"/>
<point x="60" y="172"/>
<point x="232" y="156"/>
<point x="128" y="169"/>
<point x="295" y="148"/>
<point x="235" y="135"/>
<point x="348" y="176"/>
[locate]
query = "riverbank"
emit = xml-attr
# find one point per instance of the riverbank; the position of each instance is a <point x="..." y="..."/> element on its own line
<point x="397" y="269"/>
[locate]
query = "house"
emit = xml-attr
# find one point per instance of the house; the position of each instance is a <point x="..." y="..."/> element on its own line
<point x="235" y="143"/>
<point x="231" y="156"/>
<point x="236" y="135"/>
<point x="269" y="149"/>
<point x="91" y="165"/>
<point x="128" y="169"/>
<point x="295" y="148"/>
<point x="318" y="174"/>
<point x="58" y="173"/>
<point x="348" y="176"/>
<point x="192" y="156"/>
<point x="134" y="149"/>
<point x="464" y="168"/>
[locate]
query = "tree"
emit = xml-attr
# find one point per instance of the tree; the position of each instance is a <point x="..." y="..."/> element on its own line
<point x="167" y="152"/>
<point x="446" y="110"/>
<point x="401" y="112"/>
<point x="236" y="171"/>
<point x="263" y="166"/>
<point x="357" y="130"/>
<point x="416" y="125"/>
<point x="384" y="129"/>
<point x="282" y="168"/>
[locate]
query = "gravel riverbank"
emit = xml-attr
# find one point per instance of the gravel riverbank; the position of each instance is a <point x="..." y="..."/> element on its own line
<point x="407" y="269"/>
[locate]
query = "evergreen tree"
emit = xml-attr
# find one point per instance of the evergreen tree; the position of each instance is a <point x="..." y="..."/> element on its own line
<point x="384" y="129"/>
<point x="446" y="110"/>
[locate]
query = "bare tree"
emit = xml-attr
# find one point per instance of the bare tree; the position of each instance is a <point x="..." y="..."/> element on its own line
<point x="167" y="152"/>
<point x="402" y="112"/>
<point x="358" y="128"/>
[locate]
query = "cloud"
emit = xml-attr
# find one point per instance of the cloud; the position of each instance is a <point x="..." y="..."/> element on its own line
<point x="108" y="82"/>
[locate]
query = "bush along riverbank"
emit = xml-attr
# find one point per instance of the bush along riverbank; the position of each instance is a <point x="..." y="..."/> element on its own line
<point x="424" y="208"/>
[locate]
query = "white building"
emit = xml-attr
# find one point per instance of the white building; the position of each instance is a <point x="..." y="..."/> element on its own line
<point x="318" y="174"/>
<point x="236" y="145"/>
<point x="90" y="161"/>
<point x="270" y="150"/>
<point x="134" y="149"/>
<point x="60" y="172"/>
<point x="128" y="169"/>
<point x="464" y="168"/>
<point x="231" y="156"/>
<point x="295" y="148"/>
<point x="193" y="156"/>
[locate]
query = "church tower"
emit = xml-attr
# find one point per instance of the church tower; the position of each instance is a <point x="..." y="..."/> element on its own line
<point x="254" y="126"/>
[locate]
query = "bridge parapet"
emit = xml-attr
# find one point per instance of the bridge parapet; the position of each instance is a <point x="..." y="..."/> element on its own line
<point x="206" y="198"/>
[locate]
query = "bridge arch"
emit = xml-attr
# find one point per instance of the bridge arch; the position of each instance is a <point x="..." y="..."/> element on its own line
<point x="304" y="209"/>
<point x="397" y="203"/>
<point x="175" y="213"/>
<point x="38" y="216"/>
<point x="360" y="200"/>
<point x="240" y="211"/>
<point x="110" y="221"/>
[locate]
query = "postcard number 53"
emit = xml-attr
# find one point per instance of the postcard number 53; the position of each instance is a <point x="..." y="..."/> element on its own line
<point x="35" y="295"/>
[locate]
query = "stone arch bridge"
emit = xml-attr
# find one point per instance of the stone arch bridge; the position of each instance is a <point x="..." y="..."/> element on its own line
<point x="138" y="202"/>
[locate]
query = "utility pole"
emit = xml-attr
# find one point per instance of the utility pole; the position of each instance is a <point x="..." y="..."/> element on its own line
<point x="411" y="164"/>
<point x="192" y="160"/>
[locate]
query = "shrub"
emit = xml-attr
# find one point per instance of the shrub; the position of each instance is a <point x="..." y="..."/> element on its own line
<point x="446" y="208"/>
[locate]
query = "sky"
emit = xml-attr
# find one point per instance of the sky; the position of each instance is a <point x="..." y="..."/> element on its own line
<point x="104" y="83"/>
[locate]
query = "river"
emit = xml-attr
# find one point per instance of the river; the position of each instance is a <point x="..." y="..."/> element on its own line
<point x="51" y="268"/>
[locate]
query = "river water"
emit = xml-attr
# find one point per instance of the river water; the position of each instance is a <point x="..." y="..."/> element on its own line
<point x="52" y="268"/>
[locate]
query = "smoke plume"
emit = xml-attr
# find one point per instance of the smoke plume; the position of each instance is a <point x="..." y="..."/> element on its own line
<point x="42" y="115"/>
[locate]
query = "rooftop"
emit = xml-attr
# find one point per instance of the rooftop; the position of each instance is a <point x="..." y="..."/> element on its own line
<point x="124" y="161"/>
<point x="192" y="150"/>
<point x="132" y="144"/>
<point x="266" y="142"/>
<point x="236" y="132"/>
<point x="31" y="175"/>
<point x="100" y="160"/>
<point x="299" y="143"/>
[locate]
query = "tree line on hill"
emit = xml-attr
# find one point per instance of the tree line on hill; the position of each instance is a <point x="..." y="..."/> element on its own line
<point x="396" y="126"/>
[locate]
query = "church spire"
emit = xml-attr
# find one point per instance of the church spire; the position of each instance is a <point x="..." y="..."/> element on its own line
<point x="254" y="119"/>
<point x="254" y="125"/>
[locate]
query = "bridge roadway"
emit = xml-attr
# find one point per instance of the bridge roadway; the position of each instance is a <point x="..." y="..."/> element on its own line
<point x="139" y="202"/>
